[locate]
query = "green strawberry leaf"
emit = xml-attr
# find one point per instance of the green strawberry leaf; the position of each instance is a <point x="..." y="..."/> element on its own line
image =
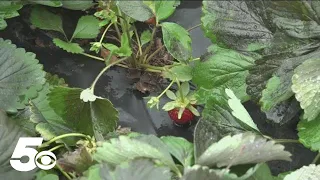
<point x="281" y="175"/>
<point x="77" y="5"/>
<point x="177" y="41"/>
<point x="135" y="9"/>
<point x="96" y="118"/>
<point x="249" y="26"/>
<point x="180" y="148"/>
<point x="141" y="169"/>
<point x="164" y="9"/>
<point x="138" y="169"/>
<point x="279" y="32"/>
<point x="223" y="115"/>
<point x="39" y="17"/>
<point x="223" y="68"/>
<point x="68" y="46"/>
<point x="306" y="85"/>
<point x="277" y="90"/>
<point x="105" y="16"/>
<point x="308" y="132"/>
<point x="48" y="123"/>
<point x="3" y="23"/>
<point x="242" y="29"/>
<point x="87" y="28"/>
<point x="276" y="69"/>
<point x="181" y="73"/>
<point x="125" y="49"/>
<point x="245" y="148"/>
<point x="201" y="172"/>
<point x="311" y="172"/>
<point x="204" y="173"/>
<point x="8" y="9"/>
<point x="111" y="47"/>
<point x="149" y="147"/>
<point x="269" y="81"/>
<point x="240" y="112"/>
<point x="93" y="173"/>
<point x="145" y="37"/>
<point x="262" y="173"/>
<point x="308" y="27"/>
<point x="22" y="118"/>
<point x="47" y="177"/>
<point x="52" y="3"/>
<point x="217" y="120"/>
<point x="9" y="135"/>
<point x="19" y="70"/>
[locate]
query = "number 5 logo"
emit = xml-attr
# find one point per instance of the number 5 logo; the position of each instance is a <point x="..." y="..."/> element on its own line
<point x="22" y="150"/>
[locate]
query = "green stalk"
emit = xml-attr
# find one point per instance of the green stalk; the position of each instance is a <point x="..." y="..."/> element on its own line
<point x="315" y="160"/>
<point x="104" y="33"/>
<point x="150" y="44"/>
<point x="177" y="171"/>
<point x="63" y="172"/>
<point x="286" y="141"/>
<point x="180" y="91"/>
<point x="138" y="40"/>
<point x="117" y="30"/>
<point x="124" y="25"/>
<point x="193" y="27"/>
<point x="64" y="34"/>
<point x="120" y="14"/>
<point x="149" y="67"/>
<point x="93" y="57"/>
<point x="63" y="136"/>
<point x="152" y="67"/>
<point x="130" y="43"/>
<point x="165" y="90"/>
<point x="56" y="147"/>
<point x="195" y="59"/>
<point x="101" y="59"/>
<point x="153" y="70"/>
<point x="104" y="70"/>
<point x="153" y="54"/>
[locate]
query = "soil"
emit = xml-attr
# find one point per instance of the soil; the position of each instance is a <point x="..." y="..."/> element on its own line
<point x="153" y="82"/>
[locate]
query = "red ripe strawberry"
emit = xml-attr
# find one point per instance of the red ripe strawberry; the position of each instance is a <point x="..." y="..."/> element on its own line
<point x="187" y="116"/>
<point x="152" y="20"/>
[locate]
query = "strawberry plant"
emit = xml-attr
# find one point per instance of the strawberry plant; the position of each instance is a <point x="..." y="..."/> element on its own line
<point x="9" y="9"/>
<point x="262" y="51"/>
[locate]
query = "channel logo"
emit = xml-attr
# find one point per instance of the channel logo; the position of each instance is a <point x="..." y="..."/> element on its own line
<point x="44" y="160"/>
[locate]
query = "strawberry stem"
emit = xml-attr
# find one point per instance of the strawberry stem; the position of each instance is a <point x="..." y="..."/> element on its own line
<point x="64" y="136"/>
<point x="165" y="90"/>
<point x="180" y="92"/>
<point x="104" y="70"/>
<point x="104" y="33"/>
